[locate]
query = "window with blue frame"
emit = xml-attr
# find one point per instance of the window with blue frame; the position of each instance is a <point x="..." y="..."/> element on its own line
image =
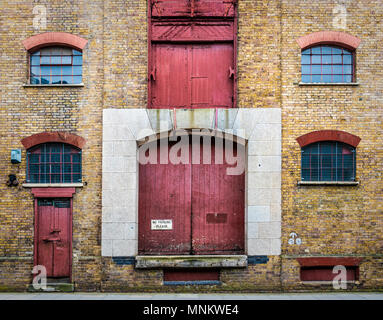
<point x="328" y="161"/>
<point x="328" y="64"/>
<point x="54" y="163"/>
<point x="56" y="65"/>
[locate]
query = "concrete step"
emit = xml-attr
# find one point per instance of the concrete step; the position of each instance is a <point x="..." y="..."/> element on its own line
<point x="53" y="287"/>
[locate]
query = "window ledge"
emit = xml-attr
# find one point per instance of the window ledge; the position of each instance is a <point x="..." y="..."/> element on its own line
<point x="53" y="185"/>
<point x="53" y="85"/>
<point x="192" y="261"/>
<point x="324" y="183"/>
<point x="325" y="283"/>
<point x="328" y="84"/>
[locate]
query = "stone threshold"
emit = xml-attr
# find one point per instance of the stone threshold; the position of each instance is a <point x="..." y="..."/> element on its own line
<point x="192" y="261"/>
<point x="53" y="85"/>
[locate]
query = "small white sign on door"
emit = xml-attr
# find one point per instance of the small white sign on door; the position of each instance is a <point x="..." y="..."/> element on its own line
<point x="162" y="224"/>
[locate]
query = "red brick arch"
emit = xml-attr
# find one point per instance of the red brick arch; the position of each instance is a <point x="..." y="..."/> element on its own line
<point x="328" y="135"/>
<point x="57" y="136"/>
<point x="54" y="38"/>
<point x="329" y="37"/>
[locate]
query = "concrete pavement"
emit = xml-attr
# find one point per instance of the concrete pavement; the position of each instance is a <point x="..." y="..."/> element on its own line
<point x="199" y="296"/>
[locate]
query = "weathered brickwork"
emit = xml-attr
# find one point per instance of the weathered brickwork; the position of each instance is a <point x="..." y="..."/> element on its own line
<point x="333" y="220"/>
<point x="330" y="220"/>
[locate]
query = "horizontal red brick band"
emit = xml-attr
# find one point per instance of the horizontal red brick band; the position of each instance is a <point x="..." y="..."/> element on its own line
<point x="53" y="192"/>
<point x="328" y="135"/>
<point x="329" y="261"/>
<point x="54" y="38"/>
<point x="329" y="37"/>
<point x="57" y="136"/>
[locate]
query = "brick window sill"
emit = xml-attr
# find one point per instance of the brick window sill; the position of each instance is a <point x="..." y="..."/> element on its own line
<point x="53" y="85"/>
<point x="328" y="183"/>
<point x="352" y="84"/>
<point x="53" y="185"/>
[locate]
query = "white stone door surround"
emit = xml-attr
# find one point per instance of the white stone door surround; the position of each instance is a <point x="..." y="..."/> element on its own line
<point x="123" y="128"/>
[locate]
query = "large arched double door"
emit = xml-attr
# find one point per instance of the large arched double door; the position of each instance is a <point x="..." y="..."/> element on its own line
<point x="193" y="207"/>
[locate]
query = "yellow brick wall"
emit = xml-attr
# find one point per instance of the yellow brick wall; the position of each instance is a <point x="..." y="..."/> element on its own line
<point x="330" y="220"/>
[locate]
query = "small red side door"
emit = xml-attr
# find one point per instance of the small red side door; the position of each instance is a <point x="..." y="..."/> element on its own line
<point x="53" y="236"/>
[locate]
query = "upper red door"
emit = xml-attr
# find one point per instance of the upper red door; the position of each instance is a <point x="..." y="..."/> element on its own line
<point x="192" y="76"/>
<point x="200" y="205"/>
<point x="53" y="236"/>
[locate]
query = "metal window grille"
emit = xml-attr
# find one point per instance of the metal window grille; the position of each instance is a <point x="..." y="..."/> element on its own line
<point x="328" y="161"/>
<point x="56" y="65"/>
<point x="327" y="64"/>
<point x="54" y="163"/>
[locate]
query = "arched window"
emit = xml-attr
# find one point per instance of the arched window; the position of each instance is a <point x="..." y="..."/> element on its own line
<point x="328" y="64"/>
<point x="54" y="163"/>
<point x="56" y="65"/>
<point x="328" y="161"/>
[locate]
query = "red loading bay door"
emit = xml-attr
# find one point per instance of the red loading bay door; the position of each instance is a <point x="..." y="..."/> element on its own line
<point x="193" y="75"/>
<point x="204" y="204"/>
<point x="53" y="236"/>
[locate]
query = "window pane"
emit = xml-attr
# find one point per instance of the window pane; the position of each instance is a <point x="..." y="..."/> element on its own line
<point x="306" y="69"/>
<point x="67" y="70"/>
<point x="306" y="59"/>
<point x="316" y="59"/>
<point x="45" y="71"/>
<point x="316" y="69"/>
<point x="35" y="80"/>
<point x="77" y="60"/>
<point x="337" y="59"/>
<point x="306" y="79"/>
<point x="35" y="71"/>
<point x="45" y="59"/>
<point x="327" y="78"/>
<point x="347" y="78"/>
<point x="326" y="50"/>
<point x="77" y="70"/>
<point x="326" y="69"/>
<point x="56" y="79"/>
<point x="35" y="60"/>
<point x="307" y="51"/>
<point x="326" y="59"/>
<point x="337" y="78"/>
<point x="316" y="50"/>
<point x="337" y="69"/>
<point x="347" y="69"/>
<point x="56" y="60"/>
<point x="45" y="79"/>
<point x="66" y="60"/>
<point x="77" y="79"/>
<point x="336" y="50"/>
<point x="56" y="70"/>
<point x="67" y="80"/>
<point x="347" y="59"/>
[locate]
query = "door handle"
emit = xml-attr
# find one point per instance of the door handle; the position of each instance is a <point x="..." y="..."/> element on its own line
<point x="152" y="75"/>
<point x="231" y="72"/>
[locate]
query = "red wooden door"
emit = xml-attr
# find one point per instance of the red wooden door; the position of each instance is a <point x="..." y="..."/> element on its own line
<point x="204" y="204"/>
<point x="53" y="236"/>
<point x="192" y="76"/>
<point x="164" y="194"/>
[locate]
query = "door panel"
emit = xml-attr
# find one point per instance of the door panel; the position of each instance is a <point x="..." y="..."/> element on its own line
<point x="54" y="237"/>
<point x="170" y="76"/>
<point x="164" y="194"/>
<point x="192" y="76"/>
<point x="217" y="206"/>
